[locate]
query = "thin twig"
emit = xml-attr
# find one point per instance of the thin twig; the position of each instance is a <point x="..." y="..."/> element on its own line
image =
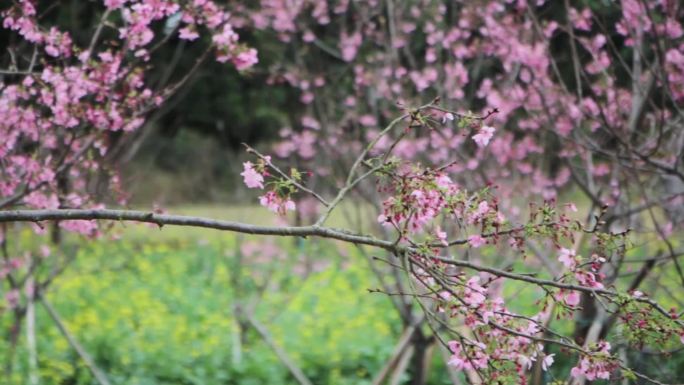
<point x="275" y="168"/>
<point x="282" y="355"/>
<point x="99" y="375"/>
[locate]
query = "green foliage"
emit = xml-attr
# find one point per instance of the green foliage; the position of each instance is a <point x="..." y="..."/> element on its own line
<point x="162" y="313"/>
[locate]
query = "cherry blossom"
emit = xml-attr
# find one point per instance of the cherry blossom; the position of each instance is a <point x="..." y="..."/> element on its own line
<point x="598" y="366"/>
<point x="547" y="362"/>
<point x="572" y="298"/>
<point x="71" y="104"/>
<point x="483" y="137"/>
<point x="567" y="258"/>
<point x="476" y="241"/>
<point x="276" y="204"/>
<point x="252" y="178"/>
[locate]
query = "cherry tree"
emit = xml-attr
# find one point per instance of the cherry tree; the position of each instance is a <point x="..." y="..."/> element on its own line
<point x="584" y="92"/>
<point x="562" y="98"/>
<point x="66" y="101"/>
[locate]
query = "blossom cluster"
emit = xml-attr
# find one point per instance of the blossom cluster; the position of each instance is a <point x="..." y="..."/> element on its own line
<point x="571" y="261"/>
<point x="417" y="197"/>
<point x="277" y="200"/>
<point x="536" y="103"/>
<point x="58" y="115"/>
<point x="502" y="343"/>
<point x="599" y="365"/>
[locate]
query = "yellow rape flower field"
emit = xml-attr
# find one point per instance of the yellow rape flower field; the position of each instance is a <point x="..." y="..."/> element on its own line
<point x="154" y="309"/>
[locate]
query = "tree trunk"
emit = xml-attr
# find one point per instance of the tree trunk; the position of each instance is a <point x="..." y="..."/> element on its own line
<point x="422" y="355"/>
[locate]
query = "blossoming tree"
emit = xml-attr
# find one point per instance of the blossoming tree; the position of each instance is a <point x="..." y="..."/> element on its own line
<point x="449" y="187"/>
<point x="585" y="94"/>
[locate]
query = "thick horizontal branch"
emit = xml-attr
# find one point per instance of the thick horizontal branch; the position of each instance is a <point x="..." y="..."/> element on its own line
<point x="189" y="221"/>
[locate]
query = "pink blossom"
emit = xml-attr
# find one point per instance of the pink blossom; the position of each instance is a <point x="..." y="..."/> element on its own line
<point x="480" y="212"/>
<point x="441" y="236"/>
<point x="307" y="97"/>
<point x="188" y="33"/>
<point x="572" y="298"/>
<point x="476" y="241"/>
<point x="576" y="372"/>
<point x="88" y="228"/>
<point x="459" y="359"/>
<point x="308" y="36"/>
<point x="474" y="293"/>
<point x="567" y="258"/>
<point x="245" y="59"/>
<point x="349" y="45"/>
<point x="368" y="120"/>
<point x="252" y="178"/>
<point x="483" y="137"/>
<point x="12" y="297"/>
<point x="114" y="4"/>
<point x="547" y="362"/>
<point x="226" y="37"/>
<point x="445" y="295"/>
<point x="525" y="361"/>
<point x="443" y="181"/>
<point x="277" y="204"/>
<point x="586" y="278"/>
<point x="598" y="365"/>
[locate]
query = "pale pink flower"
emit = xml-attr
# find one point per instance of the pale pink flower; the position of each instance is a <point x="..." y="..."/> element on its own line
<point x="349" y="45"/>
<point x="114" y="4"/>
<point x="278" y="205"/>
<point x="567" y="258"/>
<point x="368" y="120"/>
<point x="441" y="236"/>
<point x="482" y="208"/>
<point x="12" y="297"/>
<point x="547" y="362"/>
<point x="596" y="366"/>
<point x="576" y="372"/>
<point x="188" y="33"/>
<point x="586" y="278"/>
<point x="308" y="36"/>
<point x="473" y="295"/>
<point x="476" y="241"/>
<point x="525" y="361"/>
<point x="245" y="59"/>
<point x="252" y="178"/>
<point x="443" y="181"/>
<point x="572" y="298"/>
<point x="483" y="137"/>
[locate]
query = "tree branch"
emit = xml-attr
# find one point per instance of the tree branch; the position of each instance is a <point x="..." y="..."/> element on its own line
<point x="189" y="221"/>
